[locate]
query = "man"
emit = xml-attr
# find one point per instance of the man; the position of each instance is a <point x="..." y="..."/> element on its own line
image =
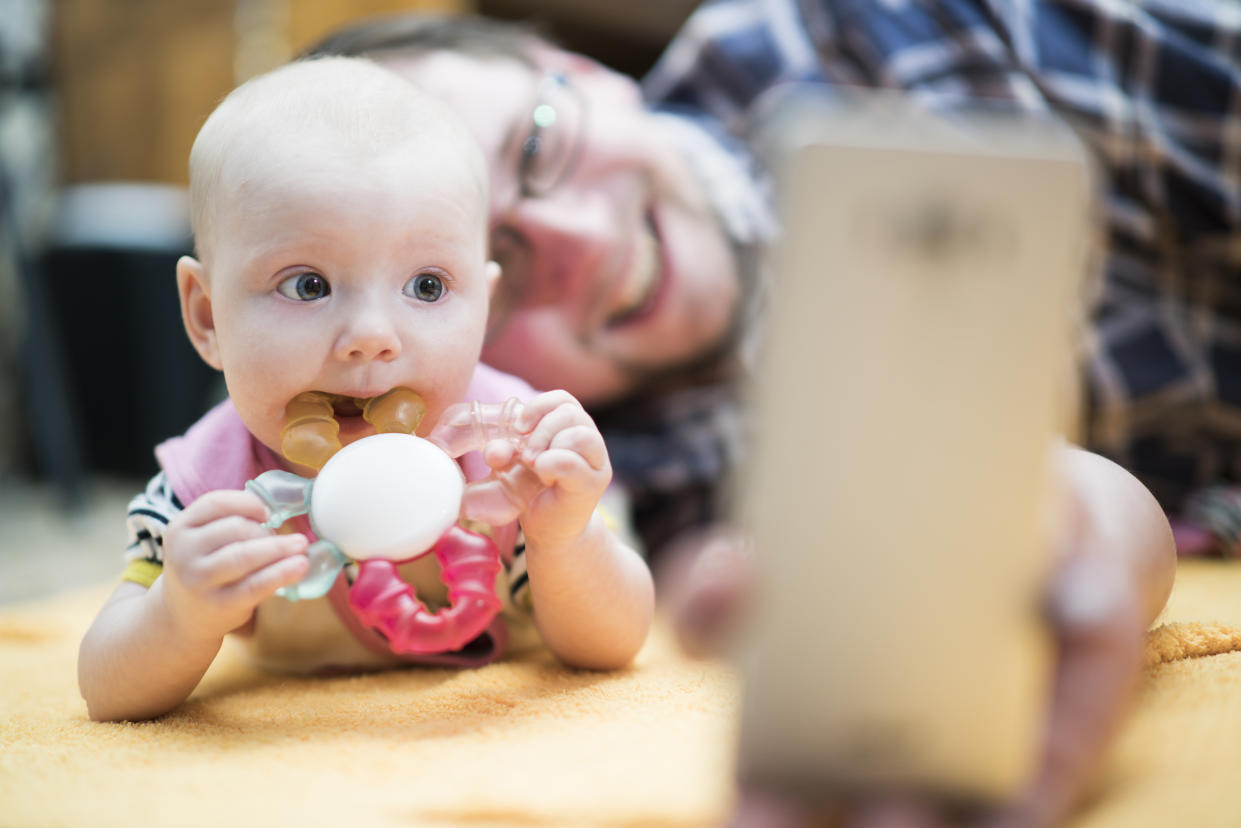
<point x="623" y="282"/>
<point x="578" y="215"/>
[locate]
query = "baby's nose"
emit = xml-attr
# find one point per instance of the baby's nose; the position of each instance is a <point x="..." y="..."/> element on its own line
<point x="370" y="335"/>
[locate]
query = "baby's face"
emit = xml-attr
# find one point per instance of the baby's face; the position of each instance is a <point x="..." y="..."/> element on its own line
<point x="352" y="279"/>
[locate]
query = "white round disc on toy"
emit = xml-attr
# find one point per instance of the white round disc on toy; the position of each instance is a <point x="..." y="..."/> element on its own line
<point x="386" y="496"/>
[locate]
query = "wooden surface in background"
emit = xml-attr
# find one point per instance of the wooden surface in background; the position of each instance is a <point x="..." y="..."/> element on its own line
<point x="628" y="35"/>
<point x="311" y="20"/>
<point x="135" y="79"/>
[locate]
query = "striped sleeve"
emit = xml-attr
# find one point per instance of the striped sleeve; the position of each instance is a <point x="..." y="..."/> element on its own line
<point x="148" y="516"/>
<point x="518" y="578"/>
<point x="613" y="508"/>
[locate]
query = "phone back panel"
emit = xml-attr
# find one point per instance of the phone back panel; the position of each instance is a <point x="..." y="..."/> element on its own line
<point x="914" y="372"/>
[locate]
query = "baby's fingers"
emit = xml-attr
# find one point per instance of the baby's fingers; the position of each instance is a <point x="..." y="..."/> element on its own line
<point x="221" y="532"/>
<point x="189" y="550"/>
<point x="260" y="585"/>
<point x="539" y="407"/>
<point x="498" y="454"/>
<point x="236" y="561"/>
<point x="224" y="503"/>
<point x="569" y="415"/>
<point x="585" y="441"/>
<point x="571" y="472"/>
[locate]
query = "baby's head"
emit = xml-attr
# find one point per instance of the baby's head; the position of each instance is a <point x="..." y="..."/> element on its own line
<point x="340" y="219"/>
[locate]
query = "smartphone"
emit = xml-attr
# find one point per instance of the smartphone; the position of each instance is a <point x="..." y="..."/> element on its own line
<point x="915" y="371"/>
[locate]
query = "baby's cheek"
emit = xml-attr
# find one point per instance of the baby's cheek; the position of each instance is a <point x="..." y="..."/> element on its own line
<point x="443" y="380"/>
<point x="260" y="398"/>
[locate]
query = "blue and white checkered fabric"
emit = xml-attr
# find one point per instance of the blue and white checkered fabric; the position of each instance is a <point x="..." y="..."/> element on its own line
<point x="1153" y="87"/>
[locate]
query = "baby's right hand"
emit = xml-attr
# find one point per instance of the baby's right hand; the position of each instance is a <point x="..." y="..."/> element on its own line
<point x="220" y="562"/>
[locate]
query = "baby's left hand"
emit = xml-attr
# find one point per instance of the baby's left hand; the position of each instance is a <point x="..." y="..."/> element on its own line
<point x="566" y="451"/>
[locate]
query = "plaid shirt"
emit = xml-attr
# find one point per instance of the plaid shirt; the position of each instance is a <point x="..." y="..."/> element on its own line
<point x="1153" y="87"/>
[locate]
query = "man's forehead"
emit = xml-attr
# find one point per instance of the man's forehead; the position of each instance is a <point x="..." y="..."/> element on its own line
<point x="485" y="92"/>
<point x="491" y="96"/>
<point x="443" y="72"/>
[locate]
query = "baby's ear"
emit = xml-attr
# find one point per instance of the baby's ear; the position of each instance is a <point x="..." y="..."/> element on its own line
<point x="196" y="309"/>
<point x="492" y="274"/>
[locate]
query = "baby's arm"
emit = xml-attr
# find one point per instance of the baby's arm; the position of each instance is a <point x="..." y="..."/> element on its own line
<point x="148" y="649"/>
<point x="593" y="595"/>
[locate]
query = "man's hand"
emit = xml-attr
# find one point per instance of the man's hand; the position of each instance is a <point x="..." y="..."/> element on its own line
<point x="220" y="563"/>
<point x="1113" y="578"/>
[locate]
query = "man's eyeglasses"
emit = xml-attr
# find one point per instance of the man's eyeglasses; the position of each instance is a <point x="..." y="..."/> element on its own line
<point x="551" y="145"/>
<point x="553" y="139"/>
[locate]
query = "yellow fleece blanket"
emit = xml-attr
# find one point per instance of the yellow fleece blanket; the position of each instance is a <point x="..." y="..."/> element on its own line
<point x="523" y="742"/>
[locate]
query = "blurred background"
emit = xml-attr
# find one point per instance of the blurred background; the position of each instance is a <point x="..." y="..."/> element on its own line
<point x="99" y="104"/>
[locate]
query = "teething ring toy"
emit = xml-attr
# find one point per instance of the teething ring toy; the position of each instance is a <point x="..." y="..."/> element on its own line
<point x="394" y="497"/>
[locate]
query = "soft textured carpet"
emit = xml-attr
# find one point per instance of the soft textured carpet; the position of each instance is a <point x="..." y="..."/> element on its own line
<point x="1178" y="762"/>
<point x="524" y="742"/>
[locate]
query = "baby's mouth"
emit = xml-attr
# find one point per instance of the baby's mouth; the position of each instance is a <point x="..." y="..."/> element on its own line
<point x="348" y="406"/>
<point x="311" y="432"/>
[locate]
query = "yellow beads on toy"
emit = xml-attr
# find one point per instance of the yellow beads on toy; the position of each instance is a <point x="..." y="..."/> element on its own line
<point x="397" y="412"/>
<point x="311" y="432"/>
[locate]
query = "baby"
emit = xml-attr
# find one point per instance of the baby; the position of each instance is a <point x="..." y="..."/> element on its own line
<point x="340" y="219"/>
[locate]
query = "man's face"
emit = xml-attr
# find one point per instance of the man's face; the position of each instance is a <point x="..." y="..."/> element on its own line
<point x="614" y="267"/>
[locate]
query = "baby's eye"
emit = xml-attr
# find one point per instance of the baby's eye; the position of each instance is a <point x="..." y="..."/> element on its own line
<point x="425" y="287"/>
<point x="305" y="287"/>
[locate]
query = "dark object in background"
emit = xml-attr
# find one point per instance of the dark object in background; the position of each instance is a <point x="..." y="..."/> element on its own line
<point x="627" y="36"/>
<point x="109" y="275"/>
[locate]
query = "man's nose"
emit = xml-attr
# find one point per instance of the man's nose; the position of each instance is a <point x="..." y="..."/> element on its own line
<point x="370" y="333"/>
<point x="570" y="238"/>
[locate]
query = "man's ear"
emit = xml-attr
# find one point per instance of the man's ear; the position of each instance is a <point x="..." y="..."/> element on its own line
<point x="196" y="310"/>
<point x="492" y="274"/>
